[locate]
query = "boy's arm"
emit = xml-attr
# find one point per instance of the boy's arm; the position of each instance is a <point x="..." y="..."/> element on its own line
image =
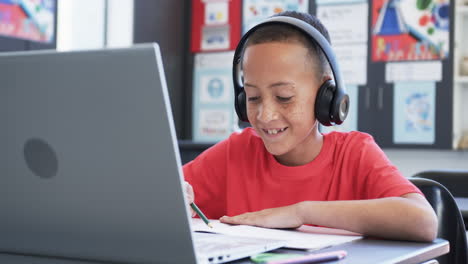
<point x="408" y="217"/>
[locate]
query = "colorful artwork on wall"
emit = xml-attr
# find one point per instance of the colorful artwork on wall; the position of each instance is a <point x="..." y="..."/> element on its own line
<point x="28" y="19"/>
<point x="255" y="11"/>
<point x="408" y="30"/>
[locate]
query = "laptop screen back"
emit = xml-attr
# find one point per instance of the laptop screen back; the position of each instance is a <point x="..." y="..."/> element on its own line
<point x="89" y="162"/>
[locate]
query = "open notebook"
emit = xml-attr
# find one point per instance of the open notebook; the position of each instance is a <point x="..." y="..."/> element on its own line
<point x="304" y="237"/>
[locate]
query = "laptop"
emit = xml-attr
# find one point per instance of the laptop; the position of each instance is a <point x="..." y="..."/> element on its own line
<point x="90" y="167"/>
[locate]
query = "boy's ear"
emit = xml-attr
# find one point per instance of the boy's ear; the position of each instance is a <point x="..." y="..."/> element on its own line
<point x="326" y="77"/>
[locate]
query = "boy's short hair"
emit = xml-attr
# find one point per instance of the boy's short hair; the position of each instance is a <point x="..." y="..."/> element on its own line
<point x="287" y="33"/>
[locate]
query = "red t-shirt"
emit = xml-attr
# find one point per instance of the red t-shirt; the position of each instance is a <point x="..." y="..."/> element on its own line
<point x="239" y="175"/>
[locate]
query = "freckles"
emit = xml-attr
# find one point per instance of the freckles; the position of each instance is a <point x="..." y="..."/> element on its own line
<point x="297" y="114"/>
<point x="300" y="113"/>
<point x="252" y="115"/>
<point x="251" y="112"/>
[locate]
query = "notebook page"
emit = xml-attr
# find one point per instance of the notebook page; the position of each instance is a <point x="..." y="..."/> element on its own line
<point x="305" y="237"/>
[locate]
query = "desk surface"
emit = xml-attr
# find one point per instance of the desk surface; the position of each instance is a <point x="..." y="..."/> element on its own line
<point x="462" y="203"/>
<point x="359" y="251"/>
<point x="370" y="251"/>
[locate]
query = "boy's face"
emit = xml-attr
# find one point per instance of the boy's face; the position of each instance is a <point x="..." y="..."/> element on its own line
<point x="281" y="86"/>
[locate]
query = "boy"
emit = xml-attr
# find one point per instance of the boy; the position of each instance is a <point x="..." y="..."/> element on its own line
<point x="283" y="173"/>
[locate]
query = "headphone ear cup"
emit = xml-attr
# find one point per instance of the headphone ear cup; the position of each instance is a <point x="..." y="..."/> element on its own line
<point x="340" y="108"/>
<point x="323" y="102"/>
<point x="241" y="106"/>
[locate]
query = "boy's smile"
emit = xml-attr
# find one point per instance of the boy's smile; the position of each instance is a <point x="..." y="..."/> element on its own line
<point x="281" y="86"/>
<point x="275" y="131"/>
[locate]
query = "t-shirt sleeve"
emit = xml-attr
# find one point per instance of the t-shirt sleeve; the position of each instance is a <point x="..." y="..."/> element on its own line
<point x="381" y="177"/>
<point x="206" y="174"/>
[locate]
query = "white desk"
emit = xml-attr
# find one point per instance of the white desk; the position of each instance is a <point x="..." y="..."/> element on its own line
<point x="371" y="251"/>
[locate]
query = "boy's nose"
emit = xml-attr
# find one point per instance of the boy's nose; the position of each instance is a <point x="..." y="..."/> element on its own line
<point x="267" y="113"/>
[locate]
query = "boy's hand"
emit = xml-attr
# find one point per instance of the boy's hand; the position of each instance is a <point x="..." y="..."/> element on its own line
<point x="280" y="217"/>
<point x="190" y="195"/>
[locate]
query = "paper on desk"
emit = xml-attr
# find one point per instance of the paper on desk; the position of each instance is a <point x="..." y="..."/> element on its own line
<point x="304" y="237"/>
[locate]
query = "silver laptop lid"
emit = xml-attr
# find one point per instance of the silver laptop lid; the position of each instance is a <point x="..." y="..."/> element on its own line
<point x="89" y="164"/>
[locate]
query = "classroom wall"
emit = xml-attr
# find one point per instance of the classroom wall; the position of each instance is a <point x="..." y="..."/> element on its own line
<point x="410" y="161"/>
<point x="167" y="23"/>
<point x="81" y="28"/>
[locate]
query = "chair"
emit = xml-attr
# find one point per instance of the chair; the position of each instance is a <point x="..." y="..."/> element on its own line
<point x="451" y="226"/>
<point x="456" y="181"/>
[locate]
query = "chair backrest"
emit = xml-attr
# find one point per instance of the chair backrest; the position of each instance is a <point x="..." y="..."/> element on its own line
<point x="451" y="226"/>
<point x="456" y="181"/>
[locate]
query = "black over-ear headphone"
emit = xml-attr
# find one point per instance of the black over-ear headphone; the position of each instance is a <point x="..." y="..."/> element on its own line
<point x="331" y="103"/>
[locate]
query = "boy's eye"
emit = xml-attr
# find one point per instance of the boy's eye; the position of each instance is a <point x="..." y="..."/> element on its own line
<point x="283" y="99"/>
<point x="253" y="98"/>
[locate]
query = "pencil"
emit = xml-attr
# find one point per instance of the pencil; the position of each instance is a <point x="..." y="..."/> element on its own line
<point x="200" y="214"/>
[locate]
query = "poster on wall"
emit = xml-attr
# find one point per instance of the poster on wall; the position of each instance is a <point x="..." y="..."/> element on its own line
<point x="346" y="22"/>
<point x="413" y="71"/>
<point x="352" y="59"/>
<point x="213" y="107"/>
<point x="254" y="11"/>
<point x="414" y="113"/>
<point x="215" y="25"/>
<point x="28" y="19"/>
<point x="406" y="30"/>
<point x="350" y="123"/>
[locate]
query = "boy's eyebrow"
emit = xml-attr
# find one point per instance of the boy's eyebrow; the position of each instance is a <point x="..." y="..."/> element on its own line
<point x="276" y="84"/>
<point x="282" y="84"/>
<point x="250" y="85"/>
